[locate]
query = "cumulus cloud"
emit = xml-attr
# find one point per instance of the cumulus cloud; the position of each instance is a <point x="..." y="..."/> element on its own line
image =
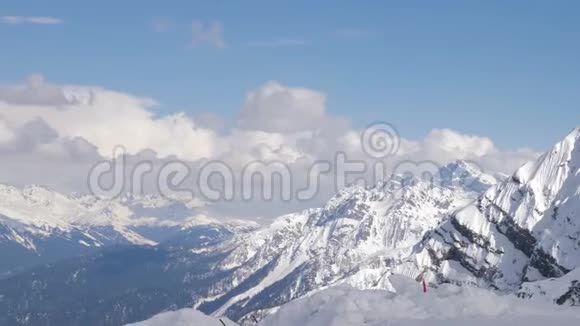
<point x="277" y="108"/>
<point x="210" y="34"/>
<point x="107" y="119"/>
<point x="39" y="20"/>
<point x="462" y="145"/>
<point x="443" y="145"/>
<point x="37" y="137"/>
<point x="34" y="92"/>
<point x="53" y="134"/>
<point x="29" y="136"/>
<point x="6" y="133"/>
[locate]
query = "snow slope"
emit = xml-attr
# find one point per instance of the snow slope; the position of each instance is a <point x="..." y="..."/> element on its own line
<point x="448" y="305"/>
<point x="564" y="290"/>
<point x="183" y="317"/>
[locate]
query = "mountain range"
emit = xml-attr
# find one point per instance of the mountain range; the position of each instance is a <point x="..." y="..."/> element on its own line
<point x="39" y="225"/>
<point x="517" y="235"/>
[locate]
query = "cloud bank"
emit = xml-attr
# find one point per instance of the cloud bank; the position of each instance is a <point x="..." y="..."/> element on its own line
<point x="53" y="134"/>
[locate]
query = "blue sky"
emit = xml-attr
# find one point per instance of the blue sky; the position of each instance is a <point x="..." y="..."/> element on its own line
<point x="509" y="71"/>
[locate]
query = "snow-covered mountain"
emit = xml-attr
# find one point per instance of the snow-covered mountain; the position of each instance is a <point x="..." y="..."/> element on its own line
<point x="345" y="241"/>
<point x="519" y="234"/>
<point x="524" y="229"/>
<point x="39" y="225"/>
<point x="246" y="272"/>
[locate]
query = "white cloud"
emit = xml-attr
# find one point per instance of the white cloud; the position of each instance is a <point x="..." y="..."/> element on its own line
<point x="277" y="108"/>
<point x="39" y="20"/>
<point x="29" y="136"/>
<point x="290" y="121"/>
<point x="458" y="144"/>
<point x="34" y="92"/>
<point x="443" y="145"/>
<point x="36" y="137"/>
<point x="6" y="133"/>
<point x="52" y="134"/>
<point x="107" y="119"/>
<point x="210" y="34"/>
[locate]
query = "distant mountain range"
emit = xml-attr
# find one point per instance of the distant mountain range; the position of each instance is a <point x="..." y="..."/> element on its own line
<point x="519" y="234"/>
<point x="39" y="225"/>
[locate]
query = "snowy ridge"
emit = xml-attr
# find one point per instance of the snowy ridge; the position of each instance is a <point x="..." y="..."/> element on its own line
<point x="526" y="228"/>
<point x="563" y="291"/>
<point x="41" y="211"/>
<point x="182" y="317"/>
<point x="38" y="212"/>
<point x="40" y="206"/>
<point x="408" y="306"/>
<point x="39" y="225"/>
